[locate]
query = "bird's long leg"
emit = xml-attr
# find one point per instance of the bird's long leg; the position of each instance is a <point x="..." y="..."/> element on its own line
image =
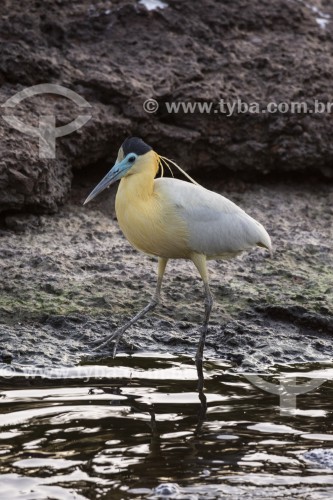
<point x="118" y="333"/>
<point x="199" y="261"/>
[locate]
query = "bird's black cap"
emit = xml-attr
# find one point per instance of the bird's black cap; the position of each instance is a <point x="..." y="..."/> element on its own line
<point x="135" y="145"/>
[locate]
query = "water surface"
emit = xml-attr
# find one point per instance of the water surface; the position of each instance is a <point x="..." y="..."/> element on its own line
<point x="134" y="428"/>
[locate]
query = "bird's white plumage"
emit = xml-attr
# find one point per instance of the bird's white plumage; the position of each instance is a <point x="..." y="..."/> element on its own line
<point x="216" y="226"/>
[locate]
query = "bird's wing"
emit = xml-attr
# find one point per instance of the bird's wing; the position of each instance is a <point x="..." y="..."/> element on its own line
<point x="216" y="226"/>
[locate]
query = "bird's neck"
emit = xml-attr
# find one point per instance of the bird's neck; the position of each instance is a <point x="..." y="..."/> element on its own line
<point x="140" y="183"/>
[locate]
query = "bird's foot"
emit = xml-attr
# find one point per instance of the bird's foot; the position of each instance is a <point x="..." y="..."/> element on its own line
<point x="118" y="333"/>
<point x="114" y="337"/>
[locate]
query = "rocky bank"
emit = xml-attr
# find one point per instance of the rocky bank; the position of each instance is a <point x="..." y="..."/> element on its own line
<point x="67" y="275"/>
<point x="118" y="54"/>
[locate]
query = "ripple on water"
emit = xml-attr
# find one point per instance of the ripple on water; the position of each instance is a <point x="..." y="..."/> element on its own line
<point x="320" y="456"/>
<point x="143" y="433"/>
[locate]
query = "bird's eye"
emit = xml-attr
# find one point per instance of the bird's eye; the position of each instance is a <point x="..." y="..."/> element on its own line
<point x="131" y="159"/>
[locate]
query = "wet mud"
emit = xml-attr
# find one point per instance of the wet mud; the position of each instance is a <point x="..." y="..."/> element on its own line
<point x="69" y="279"/>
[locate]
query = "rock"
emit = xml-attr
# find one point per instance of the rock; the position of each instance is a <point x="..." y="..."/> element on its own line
<point x="117" y="57"/>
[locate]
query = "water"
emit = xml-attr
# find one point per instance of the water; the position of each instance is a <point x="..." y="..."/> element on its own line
<point x="134" y="428"/>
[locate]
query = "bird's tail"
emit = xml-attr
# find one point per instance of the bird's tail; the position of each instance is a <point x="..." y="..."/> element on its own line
<point x="265" y="241"/>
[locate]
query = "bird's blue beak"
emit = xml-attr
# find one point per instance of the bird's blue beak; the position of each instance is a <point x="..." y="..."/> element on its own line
<point x="117" y="172"/>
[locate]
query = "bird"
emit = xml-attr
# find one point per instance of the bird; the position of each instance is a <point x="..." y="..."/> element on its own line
<point x="171" y="218"/>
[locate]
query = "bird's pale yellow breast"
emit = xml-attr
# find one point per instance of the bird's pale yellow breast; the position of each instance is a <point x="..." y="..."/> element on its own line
<point x="147" y="219"/>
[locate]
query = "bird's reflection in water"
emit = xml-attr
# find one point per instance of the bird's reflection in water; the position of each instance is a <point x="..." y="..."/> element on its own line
<point x="155" y="434"/>
<point x="202" y="396"/>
